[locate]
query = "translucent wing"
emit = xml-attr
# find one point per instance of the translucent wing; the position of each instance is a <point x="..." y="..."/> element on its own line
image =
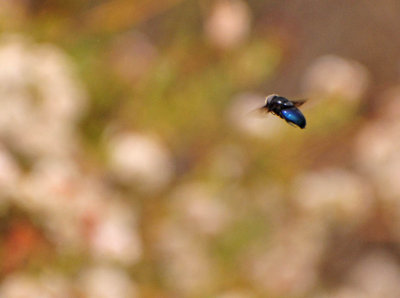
<point x="263" y="111"/>
<point x="299" y="103"/>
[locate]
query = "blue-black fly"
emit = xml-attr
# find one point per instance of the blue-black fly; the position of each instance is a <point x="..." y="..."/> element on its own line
<point x="286" y="109"/>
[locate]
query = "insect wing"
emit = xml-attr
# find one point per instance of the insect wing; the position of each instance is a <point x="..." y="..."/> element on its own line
<point x="298" y="103"/>
<point x="259" y="112"/>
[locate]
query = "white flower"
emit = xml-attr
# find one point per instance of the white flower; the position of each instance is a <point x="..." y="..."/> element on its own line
<point x="376" y="153"/>
<point x="47" y="285"/>
<point x="228" y="23"/>
<point x="141" y="159"/>
<point x="377" y="274"/>
<point x="40" y="97"/>
<point x="333" y="75"/>
<point x="201" y="209"/>
<point x="51" y="186"/>
<point x="106" y="282"/>
<point x="333" y="193"/>
<point x="114" y="236"/>
<point x="289" y="266"/>
<point x="64" y="98"/>
<point x="186" y="266"/>
<point x="376" y="145"/>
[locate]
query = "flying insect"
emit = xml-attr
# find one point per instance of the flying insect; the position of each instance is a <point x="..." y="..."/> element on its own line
<point x="285" y="109"/>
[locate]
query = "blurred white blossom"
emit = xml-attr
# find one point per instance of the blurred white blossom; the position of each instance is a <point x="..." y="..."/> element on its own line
<point x="201" y="209"/>
<point x="76" y="206"/>
<point x="47" y="285"/>
<point x="333" y="193"/>
<point x="141" y="159"/>
<point x="187" y="267"/>
<point x="106" y="282"/>
<point x="376" y="145"/>
<point x="289" y="267"/>
<point x="386" y="180"/>
<point x="228" y="23"/>
<point x="57" y="189"/>
<point x="114" y="236"/>
<point x="64" y="98"/>
<point x="40" y="96"/>
<point x="377" y="274"/>
<point x="51" y="186"/>
<point x="376" y="154"/>
<point x="332" y="75"/>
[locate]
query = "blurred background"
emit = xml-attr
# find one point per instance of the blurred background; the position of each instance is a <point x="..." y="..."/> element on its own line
<point x="131" y="164"/>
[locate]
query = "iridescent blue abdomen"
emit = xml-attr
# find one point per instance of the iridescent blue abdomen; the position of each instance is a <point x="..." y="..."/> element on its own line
<point x="293" y="115"/>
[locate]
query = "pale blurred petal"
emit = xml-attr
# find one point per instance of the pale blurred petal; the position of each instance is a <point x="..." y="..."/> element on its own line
<point x="106" y="282"/>
<point x="228" y="23"/>
<point x="140" y="159"/>
<point x="332" y="75"/>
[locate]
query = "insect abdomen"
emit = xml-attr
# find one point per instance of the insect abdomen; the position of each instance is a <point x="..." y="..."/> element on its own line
<point x="294" y="116"/>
